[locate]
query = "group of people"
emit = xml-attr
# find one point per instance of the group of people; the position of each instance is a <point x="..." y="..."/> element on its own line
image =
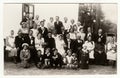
<point x="59" y="45"/>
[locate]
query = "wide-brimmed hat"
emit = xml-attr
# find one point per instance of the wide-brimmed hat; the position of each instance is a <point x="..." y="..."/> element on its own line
<point x="73" y="54"/>
<point x="25" y="44"/>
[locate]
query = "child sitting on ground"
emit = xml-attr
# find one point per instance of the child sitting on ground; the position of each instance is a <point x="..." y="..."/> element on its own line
<point x="47" y="57"/>
<point x="39" y="59"/>
<point x="84" y="62"/>
<point x="56" y="59"/>
<point x="25" y="56"/>
<point x="69" y="59"/>
<point x="74" y="61"/>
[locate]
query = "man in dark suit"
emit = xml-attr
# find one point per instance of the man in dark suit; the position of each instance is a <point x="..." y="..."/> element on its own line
<point x="32" y="46"/>
<point x="58" y="24"/>
<point x="69" y="43"/>
<point x="64" y="32"/>
<point x="18" y="44"/>
<point x="101" y="36"/>
<point x="43" y="30"/>
<point x="78" y="47"/>
<point x="50" y="42"/>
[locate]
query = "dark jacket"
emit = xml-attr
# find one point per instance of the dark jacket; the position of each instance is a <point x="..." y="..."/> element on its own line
<point x="44" y="34"/>
<point x="58" y="27"/>
<point x="103" y="38"/>
<point x="50" y="43"/>
<point x="18" y="42"/>
<point x="72" y="44"/>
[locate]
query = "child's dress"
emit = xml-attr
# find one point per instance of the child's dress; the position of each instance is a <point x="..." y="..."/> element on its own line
<point x="69" y="61"/>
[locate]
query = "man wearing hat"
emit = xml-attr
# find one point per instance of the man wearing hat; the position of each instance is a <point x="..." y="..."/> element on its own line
<point x="43" y="30"/>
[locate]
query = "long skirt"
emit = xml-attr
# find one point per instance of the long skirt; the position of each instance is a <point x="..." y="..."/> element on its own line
<point x="111" y="55"/>
<point x="91" y="54"/>
<point x="12" y="51"/>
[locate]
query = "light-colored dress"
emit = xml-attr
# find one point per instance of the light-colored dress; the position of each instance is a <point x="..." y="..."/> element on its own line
<point x="90" y="47"/>
<point x="50" y="26"/>
<point x="39" y="44"/>
<point x="60" y="46"/>
<point x="66" y="25"/>
<point x="69" y="59"/>
<point x="37" y="22"/>
<point x="111" y="53"/>
<point x="35" y="32"/>
<point x="25" y="30"/>
<point x="72" y="36"/>
<point x="10" y="46"/>
<point x="82" y="35"/>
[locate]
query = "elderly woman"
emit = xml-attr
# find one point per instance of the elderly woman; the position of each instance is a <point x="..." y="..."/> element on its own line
<point x="10" y="46"/>
<point x="100" y="55"/>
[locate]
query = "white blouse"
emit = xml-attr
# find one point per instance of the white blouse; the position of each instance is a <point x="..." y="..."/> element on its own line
<point x="38" y="43"/>
<point x="72" y="36"/>
<point x="90" y="45"/>
<point x="69" y="59"/>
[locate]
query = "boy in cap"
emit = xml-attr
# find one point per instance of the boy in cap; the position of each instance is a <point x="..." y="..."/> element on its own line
<point x="25" y="55"/>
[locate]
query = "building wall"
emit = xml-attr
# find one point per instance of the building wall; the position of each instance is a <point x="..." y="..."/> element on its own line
<point x="45" y="11"/>
<point x="12" y="15"/>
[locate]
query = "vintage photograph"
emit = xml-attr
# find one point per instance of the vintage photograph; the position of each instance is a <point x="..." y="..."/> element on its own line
<point x="60" y="38"/>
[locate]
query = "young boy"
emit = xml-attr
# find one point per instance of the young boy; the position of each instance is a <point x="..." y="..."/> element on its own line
<point x="25" y="55"/>
<point x="39" y="62"/>
<point x="74" y="61"/>
<point x="56" y="59"/>
<point x="47" y="57"/>
<point x="84" y="58"/>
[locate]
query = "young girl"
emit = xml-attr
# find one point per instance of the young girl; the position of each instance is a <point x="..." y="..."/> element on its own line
<point x="84" y="58"/>
<point x="25" y="55"/>
<point x="69" y="59"/>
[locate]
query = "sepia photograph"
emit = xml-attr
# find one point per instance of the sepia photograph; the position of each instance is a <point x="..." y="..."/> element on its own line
<point x="60" y="38"/>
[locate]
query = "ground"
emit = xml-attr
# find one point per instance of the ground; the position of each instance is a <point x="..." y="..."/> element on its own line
<point x="12" y="69"/>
